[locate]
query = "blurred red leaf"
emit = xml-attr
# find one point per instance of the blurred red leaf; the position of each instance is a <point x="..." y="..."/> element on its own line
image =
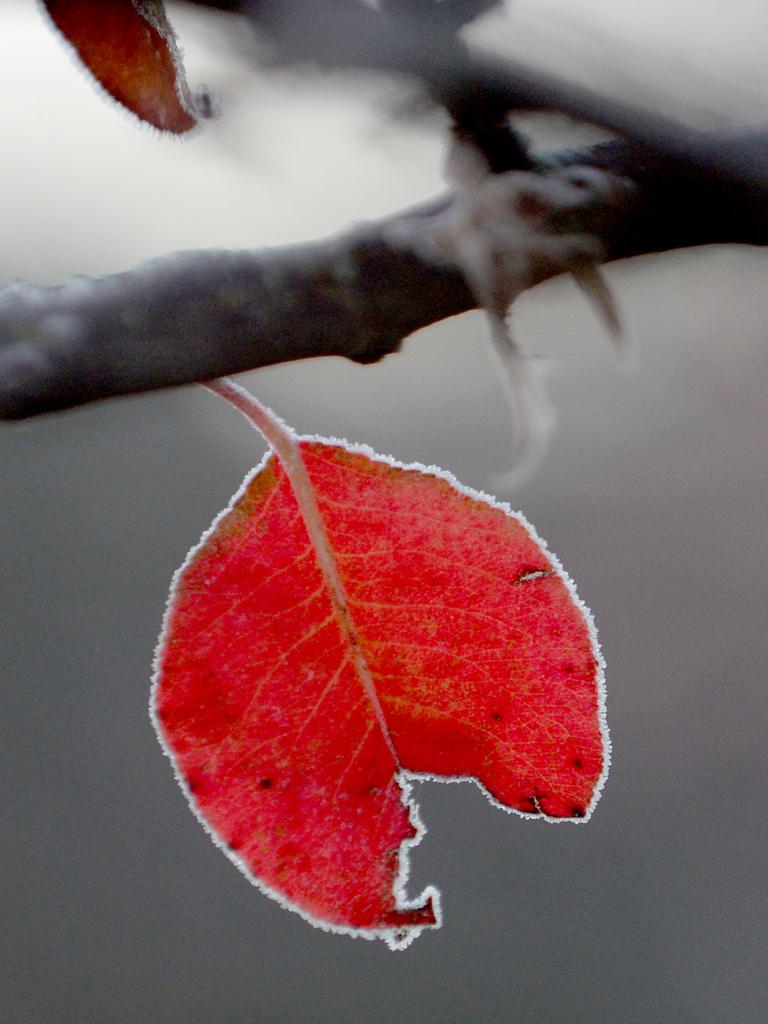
<point x="344" y="627"/>
<point x="129" y="48"/>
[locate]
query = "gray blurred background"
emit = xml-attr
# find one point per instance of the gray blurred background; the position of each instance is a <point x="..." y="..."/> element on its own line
<point x="116" y="908"/>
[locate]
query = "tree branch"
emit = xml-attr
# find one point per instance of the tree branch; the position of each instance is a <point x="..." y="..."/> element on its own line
<point x="193" y="316"/>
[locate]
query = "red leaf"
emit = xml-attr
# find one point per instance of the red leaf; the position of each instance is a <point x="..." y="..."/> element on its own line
<point x="129" y="47"/>
<point x="349" y="624"/>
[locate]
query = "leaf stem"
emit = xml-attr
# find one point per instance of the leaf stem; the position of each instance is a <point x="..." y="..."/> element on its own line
<point x="285" y="445"/>
<point x="277" y="434"/>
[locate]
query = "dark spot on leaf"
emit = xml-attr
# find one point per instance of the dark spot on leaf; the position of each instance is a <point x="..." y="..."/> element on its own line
<point x="569" y="667"/>
<point x="373" y="790"/>
<point x="265" y="783"/>
<point x="235" y="844"/>
<point x="528" y="804"/>
<point x="577" y="812"/>
<point x="496" y="716"/>
<point x="577" y="763"/>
